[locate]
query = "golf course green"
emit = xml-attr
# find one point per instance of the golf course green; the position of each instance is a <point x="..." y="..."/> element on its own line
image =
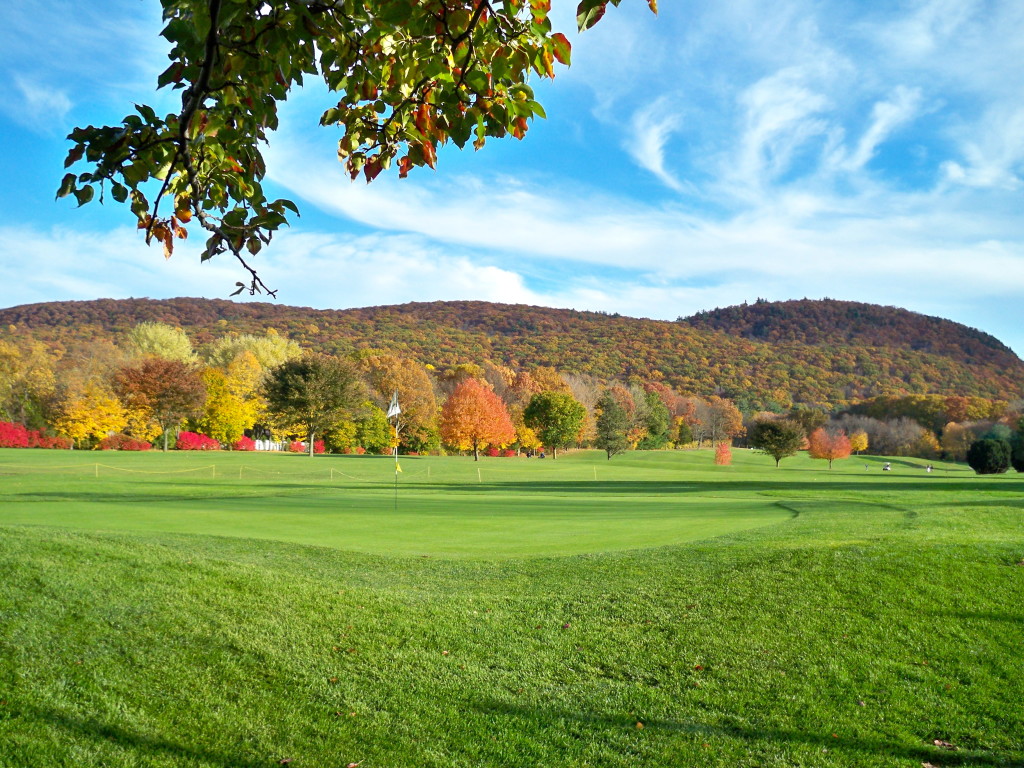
<point x="230" y="609"/>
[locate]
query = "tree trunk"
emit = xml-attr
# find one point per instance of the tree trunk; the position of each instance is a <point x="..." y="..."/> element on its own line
<point x="311" y="436"/>
<point x="476" y="451"/>
<point x="165" y="441"/>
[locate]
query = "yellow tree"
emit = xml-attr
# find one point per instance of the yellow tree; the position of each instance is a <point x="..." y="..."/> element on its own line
<point x="956" y="439"/>
<point x="27" y="382"/>
<point x="227" y="414"/>
<point x="859" y="441"/>
<point x="92" y="413"/>
<point x="526" y="437"/>
<point x="152" y="339"/>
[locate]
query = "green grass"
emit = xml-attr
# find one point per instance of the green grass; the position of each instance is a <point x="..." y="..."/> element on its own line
<point x="533" y="614"/>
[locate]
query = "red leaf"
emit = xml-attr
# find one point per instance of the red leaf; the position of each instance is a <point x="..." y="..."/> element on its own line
<point x="561" y="48"/>
<point x="429" y="154"/>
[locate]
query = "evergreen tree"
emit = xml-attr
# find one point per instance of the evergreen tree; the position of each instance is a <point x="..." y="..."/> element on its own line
<point x="612" y="425"/>
<point x="989" y="456"/>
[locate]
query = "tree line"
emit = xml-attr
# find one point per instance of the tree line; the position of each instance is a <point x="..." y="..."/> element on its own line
<point x="155" y="382"/>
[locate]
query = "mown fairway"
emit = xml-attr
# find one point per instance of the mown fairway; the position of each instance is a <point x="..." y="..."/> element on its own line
<point x="656" y="610"/>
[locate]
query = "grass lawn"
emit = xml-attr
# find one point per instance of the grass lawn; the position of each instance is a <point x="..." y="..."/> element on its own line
<point x="246" y="610"/>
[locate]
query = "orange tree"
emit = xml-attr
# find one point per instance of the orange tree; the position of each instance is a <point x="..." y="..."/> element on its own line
<point x="409" y="77"/>
<point x="822" y="444"/>
<point x="473" y="416"/>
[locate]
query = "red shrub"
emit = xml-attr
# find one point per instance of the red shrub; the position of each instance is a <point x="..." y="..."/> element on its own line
<point x="723" y="455"/>
<point x="13" y="435"/>
<point x="123" y="443"/>
<point x="56" y="443"/>
<point x="296" y="447"/>
<point x="193" y="441"/>
<point x="244" y="444"/>
<point x="508" y="453"/>
<point x="493" y="452"/>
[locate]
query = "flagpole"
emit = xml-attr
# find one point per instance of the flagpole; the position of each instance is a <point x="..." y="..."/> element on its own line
<point x="396" y="465"/>
<point x="394" y="411"/>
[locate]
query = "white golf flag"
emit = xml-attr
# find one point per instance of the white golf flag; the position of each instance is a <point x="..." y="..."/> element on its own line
<point x="393" y="409"/>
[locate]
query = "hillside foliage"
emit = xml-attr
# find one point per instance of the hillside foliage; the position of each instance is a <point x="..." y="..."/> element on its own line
<point x="803" y="356"/>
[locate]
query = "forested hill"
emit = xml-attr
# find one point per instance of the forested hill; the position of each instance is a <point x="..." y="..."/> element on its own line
<point x="802" y="365"/>
<point x="830" y="323"/>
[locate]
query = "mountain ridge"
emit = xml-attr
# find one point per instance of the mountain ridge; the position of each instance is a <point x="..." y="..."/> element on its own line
<point x="800" y="352"/>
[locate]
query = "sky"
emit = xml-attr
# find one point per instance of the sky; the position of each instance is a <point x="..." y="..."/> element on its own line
<point x="714" y="154"/>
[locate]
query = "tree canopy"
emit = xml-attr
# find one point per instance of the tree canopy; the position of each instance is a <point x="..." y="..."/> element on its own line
<point x="409" y="75"/>
<point x="474" y="416"/>
<point x="778" y="438"/>
<point x="557" y="417"/>
<point x="315" y="391"/>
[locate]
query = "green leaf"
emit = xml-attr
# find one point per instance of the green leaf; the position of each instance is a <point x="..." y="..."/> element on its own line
<point x="84" y="195"/>
<point x="67" y="186"/>
<point x="589" y="12"/>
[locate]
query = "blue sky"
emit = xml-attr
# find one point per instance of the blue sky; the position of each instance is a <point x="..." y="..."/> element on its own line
<point x="711" y="155"/>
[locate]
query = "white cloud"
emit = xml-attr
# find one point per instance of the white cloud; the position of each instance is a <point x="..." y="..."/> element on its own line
<point x="993" y="156"/>
<point x="336" y="271"/>
<point x="886" y="117"/>
<point x="64" y="264"/>
<point x="39" y="107"/>
<point x="652" y="127"/>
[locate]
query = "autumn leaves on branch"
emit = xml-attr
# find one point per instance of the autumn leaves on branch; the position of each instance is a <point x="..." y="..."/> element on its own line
<point x="409" y="77"/>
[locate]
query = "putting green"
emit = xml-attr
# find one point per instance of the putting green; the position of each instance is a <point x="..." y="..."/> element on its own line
<point x="449" y="507"/>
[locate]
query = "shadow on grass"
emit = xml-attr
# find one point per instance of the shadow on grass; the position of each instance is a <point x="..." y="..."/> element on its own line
<point x="662" y="487"/>
<point x="78" y="727"/>
<point x="926" y="753"/>
<point x="987" y="616"/>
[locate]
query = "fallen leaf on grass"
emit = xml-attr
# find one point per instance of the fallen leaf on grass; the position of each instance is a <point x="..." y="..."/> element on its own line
<point x="354" y="765"/>
<point x="862" y="703"/>
<point x="284" y="761"/>
<point x="944" y="744"/>
<point x="639" y="725"/>
<point x="928" y="765"/>
<point x="698" y="667"/>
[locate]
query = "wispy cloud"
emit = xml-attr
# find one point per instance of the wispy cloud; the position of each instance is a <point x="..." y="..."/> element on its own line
<point x="38" y="107"/>
<point x="902" y="106"/>
<point x="652" y="127"/>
